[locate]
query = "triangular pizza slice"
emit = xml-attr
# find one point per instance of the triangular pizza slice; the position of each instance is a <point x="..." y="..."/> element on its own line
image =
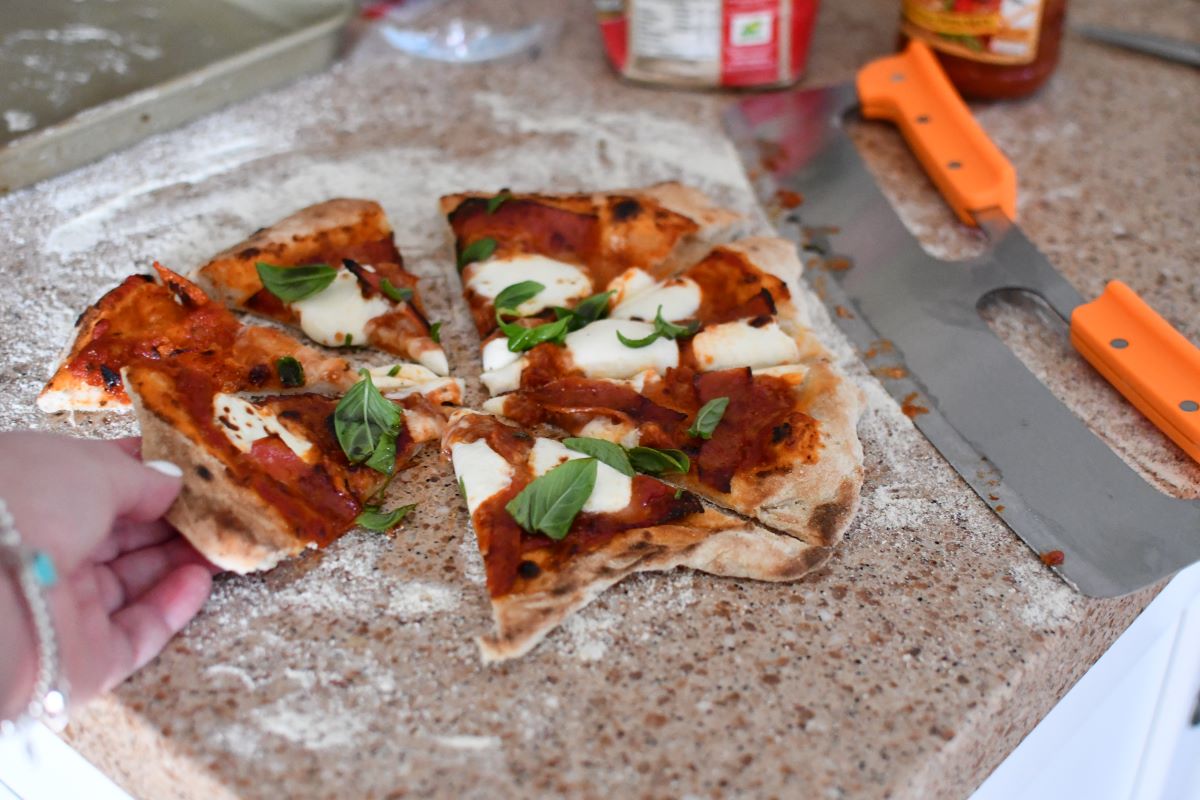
<point x="559" y="522"/>
<point x="575" y="245"/>
<point x="333" y="271"/>
<point x="267" y="476"/>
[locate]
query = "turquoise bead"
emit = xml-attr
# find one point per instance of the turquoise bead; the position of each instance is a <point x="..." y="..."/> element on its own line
<point x="43" y="569"/>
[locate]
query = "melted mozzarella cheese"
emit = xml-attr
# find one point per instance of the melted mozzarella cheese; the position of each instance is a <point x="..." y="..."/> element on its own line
<point x="505" y="379"/>
<point x="435" y="360"/>
<point x="612" y="492"/>
<point x="598" y="353"/>
<point x="245" y="423"/>
<point x="564" y="282"/>
<point x="623" y="433"/>
<point x="679" y="299"/>
<point x="740" y="344"/>
<point x="338" y="311"/>
<point x="482" y="470"/>
<point x="496" y="354"/>
<point x="629" y="283"/>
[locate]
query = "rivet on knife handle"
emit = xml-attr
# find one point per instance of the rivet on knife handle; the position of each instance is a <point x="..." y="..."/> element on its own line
<point x="1148" y="361"/>
<point x="911" y="90"/>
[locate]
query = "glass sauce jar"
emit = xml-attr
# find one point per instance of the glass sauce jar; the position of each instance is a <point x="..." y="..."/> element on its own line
<point x="990" y="49"/>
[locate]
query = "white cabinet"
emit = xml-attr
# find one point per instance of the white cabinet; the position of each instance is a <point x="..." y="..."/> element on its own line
<point x="1125" y="731"/>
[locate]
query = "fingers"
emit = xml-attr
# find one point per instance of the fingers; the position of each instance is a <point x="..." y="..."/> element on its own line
<point x="130" y="445"/>
<point x="141" y="491"/>
<point x="140" y="570"/>
<point x="147" y="625"/>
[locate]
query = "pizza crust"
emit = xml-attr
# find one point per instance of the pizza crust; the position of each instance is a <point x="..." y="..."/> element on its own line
<point x="228" y="523"/>
<point x="713" y="542"/>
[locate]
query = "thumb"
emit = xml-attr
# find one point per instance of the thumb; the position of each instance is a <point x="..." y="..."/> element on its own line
<point x="141" y="492"/>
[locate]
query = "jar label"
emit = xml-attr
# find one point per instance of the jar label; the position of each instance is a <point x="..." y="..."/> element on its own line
<point x="708" y="42"/>
<point x="988" y="31"/>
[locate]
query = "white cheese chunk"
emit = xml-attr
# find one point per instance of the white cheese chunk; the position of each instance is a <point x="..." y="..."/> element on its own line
<point x="564" y="282"/>
<point x="496" y="354"/>
<point x="482" y="470"/>
<point x="435" y="360"/>
<point x="245" y="423"/>
<point x="612" y="492"/>
<point x="401" y="376"/>
<point x="598" y="353"/>
<point x="628" y="284"/>
<point x="679" y="299"/>
<point x="740" y="344"/>
<point x="339" y="310"/>
<point x="623" y="433"/>
<point x="505" y="379"/>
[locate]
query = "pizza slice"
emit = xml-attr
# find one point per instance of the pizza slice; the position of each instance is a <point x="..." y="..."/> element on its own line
<point x="559" y="522"/>
<point x="165" y="316"/>
<point x="333" y="271"/>
<point x="267" y="476"/>
<point x="778" y="444"/>
<point x="575" y="245"/>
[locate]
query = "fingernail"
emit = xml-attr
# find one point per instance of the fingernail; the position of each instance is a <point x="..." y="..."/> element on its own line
<point x="166" y="468"/>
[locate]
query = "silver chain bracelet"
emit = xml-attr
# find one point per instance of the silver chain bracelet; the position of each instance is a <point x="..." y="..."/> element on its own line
<point x="35" y="573"/>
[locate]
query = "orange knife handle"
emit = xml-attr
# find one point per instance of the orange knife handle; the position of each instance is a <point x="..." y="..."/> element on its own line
<point x="911" y="90"/>
<point x="1148" y="361"/>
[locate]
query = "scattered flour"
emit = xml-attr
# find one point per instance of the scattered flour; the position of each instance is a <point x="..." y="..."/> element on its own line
<point x="313" y="729"/>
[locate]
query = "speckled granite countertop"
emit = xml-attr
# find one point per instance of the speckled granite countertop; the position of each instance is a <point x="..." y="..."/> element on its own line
<point x="908" y="667"/>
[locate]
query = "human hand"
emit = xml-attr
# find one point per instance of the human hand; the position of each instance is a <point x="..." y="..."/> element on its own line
<point x="127" y="581"/>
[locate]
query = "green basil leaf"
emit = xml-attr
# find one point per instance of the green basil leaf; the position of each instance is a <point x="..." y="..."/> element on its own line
<point x="349" y="340"/>
<point x="678" y="493"/>
<point x="670" y="331"/>
<point x="589" y="310"/>
<point x="498" y="200"/>
<point x="521" y="339"/>
<point x="655" y="462"/>
<point x="374" y="518"/>
<point x="550" y="503"/>
<point x="400" y="295"/>
<point x="291" y="372"/>
<point x="708" y="417"/>
<point x="366" y="425"/>
<point x="477" y="250"/>
<point x="606" y="452"/>
<point x="636" y="343"/>
<point x="435" y="332"/>
<point x="512" y="296"/>
<point x="394" y="371"/>
<point x="290" y="284"/>
<point x="462" y="489"/>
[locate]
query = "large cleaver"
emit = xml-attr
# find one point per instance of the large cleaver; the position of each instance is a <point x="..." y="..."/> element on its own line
<point x="1061" y="489"/>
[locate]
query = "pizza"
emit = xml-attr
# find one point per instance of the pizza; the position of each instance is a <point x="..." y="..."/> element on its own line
<point x="557" y="523"/>
<point x="777" y="444"/>
<point x="165" y="316"/>
<point x="331" y="270"/>
<point x="658" y="396"/>
<point x="575" y="244"/>
<point x="267" y="476"/>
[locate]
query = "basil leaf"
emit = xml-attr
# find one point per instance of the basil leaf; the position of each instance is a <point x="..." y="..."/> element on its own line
<point x="394" y="371"/>
<point x="512" y="296"/>
<point x="589" y="310"/>
<point x="462" y="489"/>
<point x="435" y="332"/>
<point x="400" y="295"/>
<point x="521" y="339"/>
<point x="374" y="518"/>
<point x="291" y="372"/>
<point x="708" y="417"/>
<point x="367" y="425"/>
<point x="349" y="340"/>
<point x="670" y="331"/>
<point x="477" y="250"/>
<point x="606" y="452"/>
<point x="500" y="199"/>
<point x="290" y="284"/>
<point x="550" y="503"/>
<point x="636" y="343"/>
<point x="654" y="461"/>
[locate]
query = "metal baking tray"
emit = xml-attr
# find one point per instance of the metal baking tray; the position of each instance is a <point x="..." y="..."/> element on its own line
<point x="82" y="79"/>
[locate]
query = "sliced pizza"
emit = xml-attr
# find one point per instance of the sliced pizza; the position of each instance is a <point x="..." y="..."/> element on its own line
<point x="575" y="245"/>
<point x="333" y="271"/>
<point x="267" y="476"/>
<point x="165" y="316"/>
<point x="559" y="522"/>
<point x="777" y="444"/>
